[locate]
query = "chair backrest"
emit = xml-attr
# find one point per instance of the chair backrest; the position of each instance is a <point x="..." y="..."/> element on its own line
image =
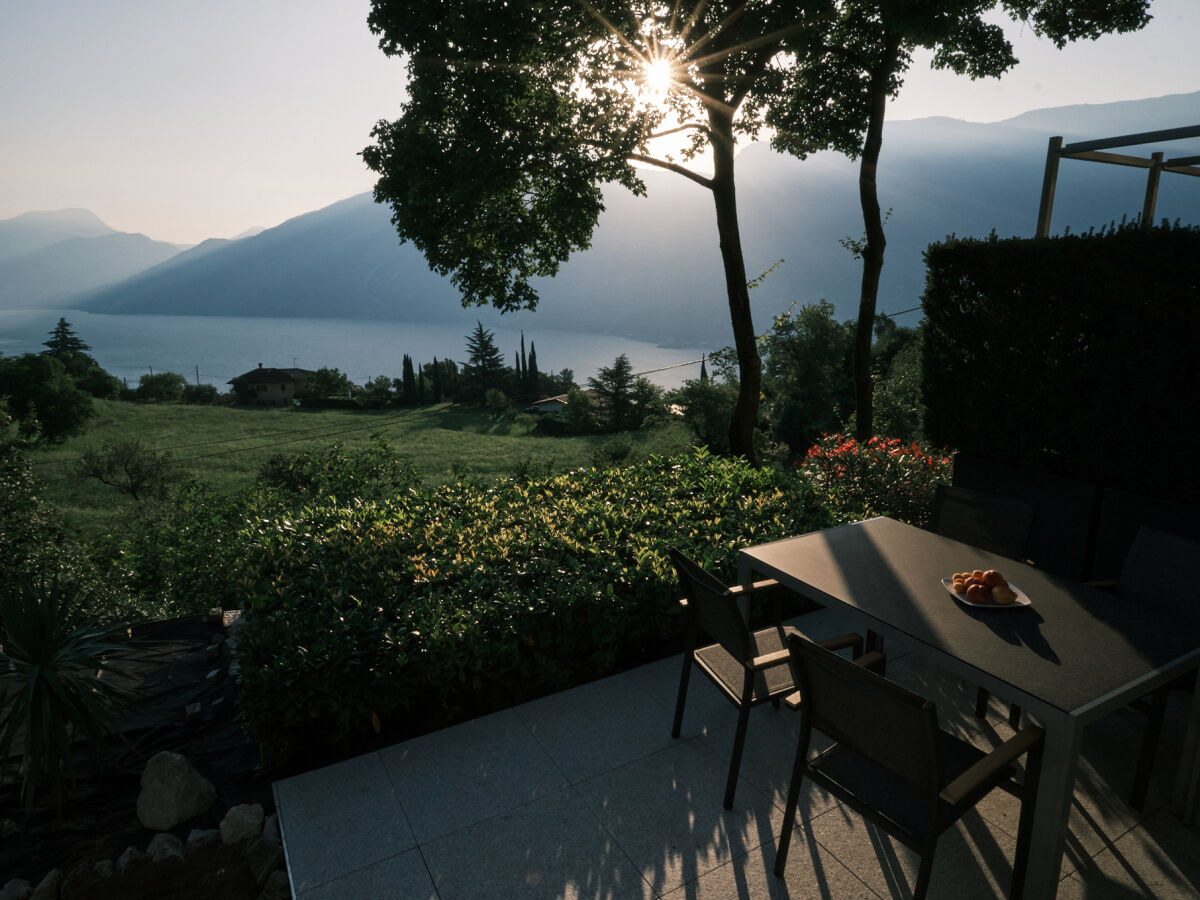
<point x="988" y="521"/>
<point x="1122" y="513"/>
<point x="713" y="608"/>
<point x="891" y="726"/>
<point x="1160" y="571"/>
<point x="1061" y="538"/>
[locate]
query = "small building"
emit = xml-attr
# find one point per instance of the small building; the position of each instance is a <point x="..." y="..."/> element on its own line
<point x="266" y="386"/>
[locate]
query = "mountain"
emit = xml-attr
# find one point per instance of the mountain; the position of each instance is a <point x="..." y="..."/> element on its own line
<point x="32" y="231"/>
<point x="654" y="269"/>
<point x="49" y="258"/>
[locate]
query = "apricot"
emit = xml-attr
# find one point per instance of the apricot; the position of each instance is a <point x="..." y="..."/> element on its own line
<point x="978" y="593"/>
<point x="992" y="578"/>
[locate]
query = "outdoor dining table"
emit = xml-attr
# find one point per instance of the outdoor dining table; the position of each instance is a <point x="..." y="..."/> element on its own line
<point x="1073" y="655"/>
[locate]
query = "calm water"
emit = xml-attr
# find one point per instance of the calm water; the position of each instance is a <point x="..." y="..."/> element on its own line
<point x="219" y="348"/>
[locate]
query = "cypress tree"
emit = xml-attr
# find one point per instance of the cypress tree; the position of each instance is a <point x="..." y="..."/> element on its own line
<point x="534" y="380"/>
<point x="409" y="395"/>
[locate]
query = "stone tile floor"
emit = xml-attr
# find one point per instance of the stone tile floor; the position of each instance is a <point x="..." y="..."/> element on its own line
<point x="584" y="794"/>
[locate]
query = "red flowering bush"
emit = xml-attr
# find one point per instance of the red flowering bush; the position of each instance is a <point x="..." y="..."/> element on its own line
<point x="883" y="477"/>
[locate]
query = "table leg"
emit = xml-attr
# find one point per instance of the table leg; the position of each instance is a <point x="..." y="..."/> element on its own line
<point x="1186" y="797"/>
<point x="1055" y="792"/>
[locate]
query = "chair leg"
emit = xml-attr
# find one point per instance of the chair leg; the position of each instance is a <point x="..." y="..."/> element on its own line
<point x="682" y="698"/>
<point x="1014" y="716"/>
<point x="735" y="761"/>
<point x="925" y="871"/>
<point x="981" y="703"/>
<point x="1145" y="763"/>
<point x="789" y="815"/>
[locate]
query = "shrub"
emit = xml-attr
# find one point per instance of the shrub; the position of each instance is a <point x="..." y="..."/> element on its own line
<point x="884" y="476"/>
<point x="413" y="613"/>
<point x="50" y="659"/>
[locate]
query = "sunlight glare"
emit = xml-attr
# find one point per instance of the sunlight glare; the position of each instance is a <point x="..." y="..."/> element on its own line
<point x="658" y="75"/>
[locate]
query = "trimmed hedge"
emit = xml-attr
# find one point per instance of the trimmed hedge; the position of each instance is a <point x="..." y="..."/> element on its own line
<point x="398" y="617"/>
<point x="1069" y="354"/>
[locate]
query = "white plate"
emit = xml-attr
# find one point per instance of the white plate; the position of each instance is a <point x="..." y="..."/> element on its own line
<point x="1022" y="600"/>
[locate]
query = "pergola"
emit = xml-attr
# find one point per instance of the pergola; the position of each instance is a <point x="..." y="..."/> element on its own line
<point x="1095" y="152"/>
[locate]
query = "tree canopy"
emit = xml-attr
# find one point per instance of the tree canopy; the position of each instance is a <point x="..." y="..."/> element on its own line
<point x="519" y="112"/>
<point x="838" y="96"/>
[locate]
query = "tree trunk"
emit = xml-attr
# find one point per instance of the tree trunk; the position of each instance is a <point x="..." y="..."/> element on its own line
<point x="872" y="254"/>
<point x="745" y="411"/>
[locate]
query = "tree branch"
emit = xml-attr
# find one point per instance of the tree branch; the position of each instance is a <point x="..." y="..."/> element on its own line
<point x="672" y="167"/>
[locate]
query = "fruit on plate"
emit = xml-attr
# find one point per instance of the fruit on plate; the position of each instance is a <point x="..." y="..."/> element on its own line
<point x="1003" y="595"/>
<point x="978" y="593"/>
<point x="979" y="586"/>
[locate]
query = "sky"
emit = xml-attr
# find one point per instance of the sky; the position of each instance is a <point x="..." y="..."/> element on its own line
<point x="186" y="121"/>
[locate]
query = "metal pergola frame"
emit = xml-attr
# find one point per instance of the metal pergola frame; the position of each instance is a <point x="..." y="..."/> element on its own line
<point x="1093" y="152"/>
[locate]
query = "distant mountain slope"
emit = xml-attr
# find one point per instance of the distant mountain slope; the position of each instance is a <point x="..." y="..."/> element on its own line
<point x="54" y="275"/>
<point x="32" y="231"/>
<point x="654" y="268"/>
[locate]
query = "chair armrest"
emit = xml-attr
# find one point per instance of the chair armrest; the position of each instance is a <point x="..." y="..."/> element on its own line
<point x="766" y="585"/>
<point x="767" y="660"/>
<point x="1004" y="755"/>
<point x="1105" y="585"/>
<point x="843" y="642"/>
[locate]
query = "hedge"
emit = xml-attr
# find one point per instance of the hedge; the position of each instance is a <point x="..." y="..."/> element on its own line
<point x="1070" y="354"/>
<point x="375" y="621"/>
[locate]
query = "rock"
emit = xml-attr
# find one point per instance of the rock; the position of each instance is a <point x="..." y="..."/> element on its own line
<point x="104" y="868"/>
<point x="16" y="889"/>
<point x="271" y="828"/>
<point x="49" y="887"/>
<point x="172" y="792"/>
<point x="8" y="828"/>
<point x="277" y="887"/>
<point x="130" y="858"/>
<point x="242" y="822"/>
<point x="164" y="845"/>
<point x="202" y="837"/>
<point x="262" y="858"/>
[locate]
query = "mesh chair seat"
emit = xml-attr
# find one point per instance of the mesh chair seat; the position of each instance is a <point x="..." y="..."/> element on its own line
<point x="729" y="674"/>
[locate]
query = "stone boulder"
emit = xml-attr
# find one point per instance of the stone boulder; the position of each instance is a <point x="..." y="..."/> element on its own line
<point x="242" y="822"/>
<point x="172" y="792"/>
<point x="164" y="845"/>
<point x="49" y="887"/>
<point x="16" y="889"/>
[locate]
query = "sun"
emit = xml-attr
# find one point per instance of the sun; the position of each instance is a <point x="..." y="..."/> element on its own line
<point x="658" y="75"/>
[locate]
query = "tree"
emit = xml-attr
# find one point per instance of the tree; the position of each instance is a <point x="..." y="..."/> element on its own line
<point x="535" y="380"/>
<point x="325" y="383"/>
<point x="409" y="391"/>
<point x="43" y="398"/>
<point x="808" y="374"/>
<point x="484" y="367"/>
<point x="706" y="405"/>
<point x="838" y="97"/>
<point x="518" y="112"/>
<point x="132" y="468"/>
<point x="163" y="387"/>
<point x="613" y="386"/>
<point x="377" y="393"/>
<point x="63" y="340"/>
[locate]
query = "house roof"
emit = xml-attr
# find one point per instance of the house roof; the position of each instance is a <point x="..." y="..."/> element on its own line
<point x="271" y="375"/>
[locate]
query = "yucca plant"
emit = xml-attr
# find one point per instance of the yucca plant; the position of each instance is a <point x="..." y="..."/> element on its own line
<point x="55" y="684"/>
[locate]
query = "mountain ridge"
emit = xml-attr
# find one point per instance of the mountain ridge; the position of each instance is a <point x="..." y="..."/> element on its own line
<point x="653" y="269"/>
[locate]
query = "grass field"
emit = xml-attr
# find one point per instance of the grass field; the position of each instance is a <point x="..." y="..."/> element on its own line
<point x="226" y="446"/>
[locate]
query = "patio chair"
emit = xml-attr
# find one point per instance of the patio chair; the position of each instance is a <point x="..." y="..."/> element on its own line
<point x="748" y="667"/>
<point x="990" y="522"/>
<point x="892" y="764"/>
<point x="1159" y="572"/>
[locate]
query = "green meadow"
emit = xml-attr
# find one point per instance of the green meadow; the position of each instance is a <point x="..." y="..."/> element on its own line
<point x="226" y="446"/>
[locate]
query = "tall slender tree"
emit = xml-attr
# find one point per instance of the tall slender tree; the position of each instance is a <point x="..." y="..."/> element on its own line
<point x="838" y="98"/>
<point x="519" y="111"/>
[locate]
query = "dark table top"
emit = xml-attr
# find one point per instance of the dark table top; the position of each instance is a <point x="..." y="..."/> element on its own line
<point x="1073" y="647"/>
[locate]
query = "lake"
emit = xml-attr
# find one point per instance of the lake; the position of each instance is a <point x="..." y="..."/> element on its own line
<point x="214" y="349"/>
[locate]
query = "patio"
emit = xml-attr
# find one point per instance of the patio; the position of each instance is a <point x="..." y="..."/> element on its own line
<point x="585" y="794"/>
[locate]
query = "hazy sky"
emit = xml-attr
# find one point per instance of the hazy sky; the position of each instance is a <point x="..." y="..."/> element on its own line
<point x="186" y="121"/>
